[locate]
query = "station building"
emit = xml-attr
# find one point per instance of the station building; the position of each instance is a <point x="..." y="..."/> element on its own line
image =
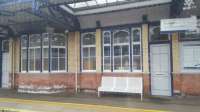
<point x="72" y="45"/>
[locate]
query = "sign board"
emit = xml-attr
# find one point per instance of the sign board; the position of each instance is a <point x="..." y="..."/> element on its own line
<point x="179" y="24"/>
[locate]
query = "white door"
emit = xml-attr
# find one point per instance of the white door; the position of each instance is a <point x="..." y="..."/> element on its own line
<point x="5" y="64"/>
<point x="160" y="70"/>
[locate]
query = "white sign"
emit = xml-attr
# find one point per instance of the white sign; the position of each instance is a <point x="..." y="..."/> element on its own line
<point x="189" y="4"/>
<point x="179" y="24"/>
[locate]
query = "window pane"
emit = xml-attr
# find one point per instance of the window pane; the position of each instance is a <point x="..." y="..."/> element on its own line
<point x="45" y="64"/>
<point x="37" y="59"/>
<point x="86" y="64"/>
<point x="117" y="51"/>
<point x="125" y="63"/>
<point x="54" y="64"/>
<point x="136" y="63"/>
<point x="45" y="39"/>
<point x="85" y="52"/>
<point x="92" y="63"/>
<point x="117" y="63"/>
<point x="62" y="63"/>
<point x="24" y="59"/>
<point x="107" y="36"/>
<point x="125" y="50"/>
<point x="107" y="51"/>
<point x="121" y="37"/>
<point x="54" y="52"/>
<point x="136" y="49"/>
<point x="58" y="40"/>
<point x="107" y="65"/>
<point x="156" y="36"/>
<point x="89" y="39"/>
<point x="24" y="40"/>
<point x="35" y="40"/>
<point x="136" y="35"/>
<point x="31" y="59"/>
<point x="92" y="52"/>
<point x="61" y="52"/>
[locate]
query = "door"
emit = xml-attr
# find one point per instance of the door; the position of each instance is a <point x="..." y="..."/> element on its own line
<point x="160" y="70"/>
<point x="5" y="64"/>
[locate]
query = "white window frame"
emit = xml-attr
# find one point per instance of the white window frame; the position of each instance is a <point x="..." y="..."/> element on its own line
<point x="182" y="58"/>
<point x="121" y="44"/>
<point x="23" y="48"/>
<point x="58" y="47"/>
<point x="137" y="43"/>
<point x="87" y="46"/>
<point x="107" y="45"/>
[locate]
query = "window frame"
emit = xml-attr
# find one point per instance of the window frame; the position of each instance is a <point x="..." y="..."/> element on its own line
<point x="121" y="44"/>
<point x="137" y="43"/>
<point x="182" y="57"/>
<point x="26" y="49"/>
<point x="110" y="46"/>
<point x="65" y="56"/>
<point x="87" y="46"/>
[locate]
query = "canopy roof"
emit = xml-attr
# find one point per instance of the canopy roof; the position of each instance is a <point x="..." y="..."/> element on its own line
<point x="22" y="16"/>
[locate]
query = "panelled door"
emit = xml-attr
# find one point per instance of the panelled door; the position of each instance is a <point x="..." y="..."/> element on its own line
<point x="160" y="70"/>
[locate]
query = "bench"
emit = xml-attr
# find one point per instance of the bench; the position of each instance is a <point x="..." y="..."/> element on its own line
<point x="121" y="85"/>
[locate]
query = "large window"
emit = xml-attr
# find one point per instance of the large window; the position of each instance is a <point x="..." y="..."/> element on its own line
<point x="136" y="49"/>
<point x="88" y="52"/>
<point x="58" y="53"/>
<point x="43" y="53"/>
<point x="107" y="51"/>
<point x="121" y="52"/>
<point x="190" y="53"/>
<point x="24" y="53"/>
<point x="34" y="51"/>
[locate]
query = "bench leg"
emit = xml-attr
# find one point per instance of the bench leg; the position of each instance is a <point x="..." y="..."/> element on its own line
<point x="141" y="97"/>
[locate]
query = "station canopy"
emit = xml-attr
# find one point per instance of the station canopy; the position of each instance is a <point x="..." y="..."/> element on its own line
<point x="23" y="16"/>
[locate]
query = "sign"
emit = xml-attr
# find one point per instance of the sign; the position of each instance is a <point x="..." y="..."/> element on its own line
<point x="189" y="4"/>
<point x="179" y="24"/>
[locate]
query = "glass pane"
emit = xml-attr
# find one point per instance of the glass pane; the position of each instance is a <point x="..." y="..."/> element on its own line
<point x="45" y="64"/>
<point x="54" y="52"/>
<point x="125" y="50"/>
<point x="121" y="37"/>
<point x="93" y="63"/>
<point x="35" y="40"/>
<point x="24" y="63"/>
<point x="62" y="64"/>
<point x="156" y="36"/>
<point x="86" y="64"/>
<point x="125" y="63"/>
<point x="58" y="40"/>
<point x="107" y="38"/>
<point x="117" y="51"/>
<point x="24" y="40"/>
<point x="89" y="39"/>
<point x="37" y="59"/>
<point x="107" y="65"/>
<point x="85" y="52"/>
<point x="136" y="35"/>
<point x="45" y="39"/>
<point x="136" y="63"/>
<point x="92" y="52"/>
<point x="117" y="63"/>
<point x="45" y="52"/>
<point x="61" y="52"/>
<point x="24" y="59"/>
<point x="54" y="64"/>
<point x="107" y="51"/>
<point x="136" y="49"/>
<point x="31" y="64"/>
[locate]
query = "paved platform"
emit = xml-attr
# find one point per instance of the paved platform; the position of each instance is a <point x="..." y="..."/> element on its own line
<point x="82" y="102"/>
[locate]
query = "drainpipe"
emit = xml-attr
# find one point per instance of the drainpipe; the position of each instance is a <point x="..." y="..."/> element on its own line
<point x="76" y="74"/>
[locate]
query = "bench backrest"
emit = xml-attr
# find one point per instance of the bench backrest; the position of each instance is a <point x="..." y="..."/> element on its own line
<point x="134" y="84"/>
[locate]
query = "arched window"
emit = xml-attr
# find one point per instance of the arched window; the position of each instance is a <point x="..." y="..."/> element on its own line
<point x="121" y="59"/>
<point x="88" y="52"/>
<point x="107" y="51"/>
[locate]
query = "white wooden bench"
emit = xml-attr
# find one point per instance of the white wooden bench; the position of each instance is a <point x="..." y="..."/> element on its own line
<point x="121" y="85"/>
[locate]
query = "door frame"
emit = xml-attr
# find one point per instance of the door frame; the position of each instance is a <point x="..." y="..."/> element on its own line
<point x="171" y="62"/>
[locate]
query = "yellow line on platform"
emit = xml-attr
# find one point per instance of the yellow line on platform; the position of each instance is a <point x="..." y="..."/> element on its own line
<point x="6" y="109"/>
<point x="76" y="106"/>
